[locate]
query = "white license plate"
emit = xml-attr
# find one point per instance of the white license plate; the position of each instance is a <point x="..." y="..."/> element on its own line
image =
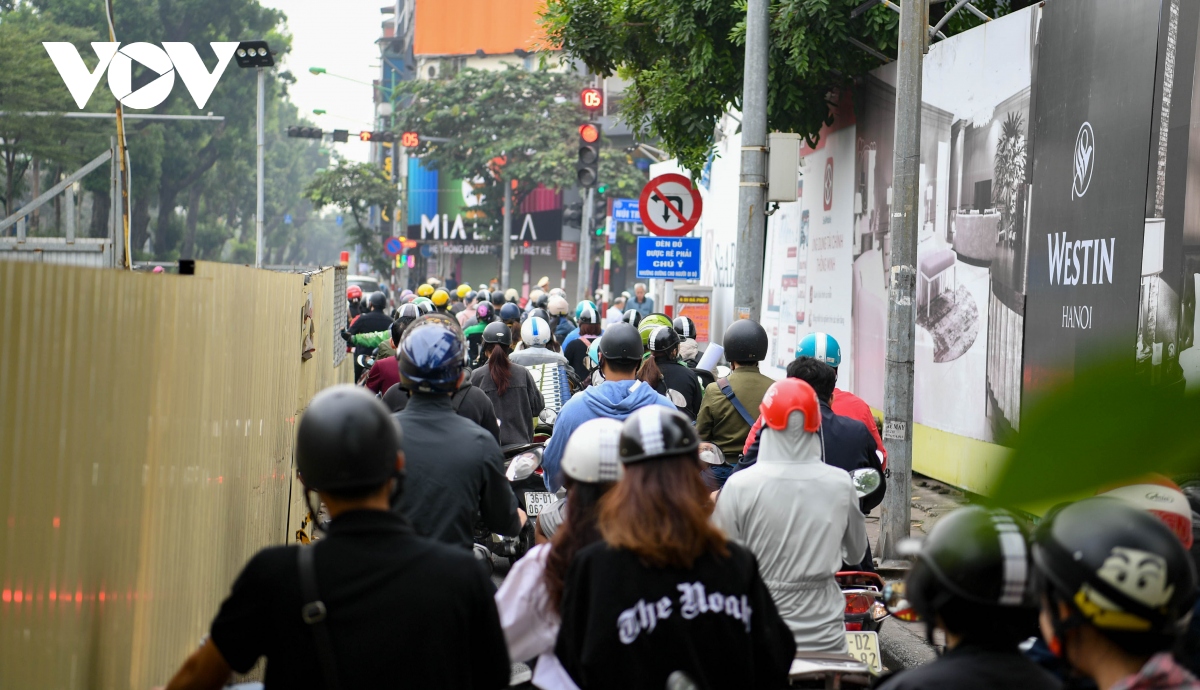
<point x="536" y="501"/>
<point x="864" y="646"/>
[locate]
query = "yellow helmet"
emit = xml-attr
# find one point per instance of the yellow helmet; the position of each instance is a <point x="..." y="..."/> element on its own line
<point x="462" y="290"/>
<point x="425" y="290"/>
<point x="439" y="297"/>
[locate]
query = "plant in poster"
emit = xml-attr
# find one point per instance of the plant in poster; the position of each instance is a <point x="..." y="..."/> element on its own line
<point x="1009" y="172"/>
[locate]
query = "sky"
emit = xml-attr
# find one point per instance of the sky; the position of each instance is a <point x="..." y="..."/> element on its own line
<point x="341" y="38"/>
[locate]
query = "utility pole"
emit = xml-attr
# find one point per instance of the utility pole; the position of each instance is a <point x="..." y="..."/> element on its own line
<point x="258" y="216"/>
<point x="585" y="249"/>
<point x="906" y="167"/>
<point x="506" y="242"/>
<point x="752" y="222"/>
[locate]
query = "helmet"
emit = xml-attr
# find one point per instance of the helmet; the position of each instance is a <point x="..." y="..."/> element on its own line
<point x="621" y="343"/>
<point x="483" y="296"/>
<point x="347" y="439"/>
<point x="407" y="293"/>
<point x="586" y="314"/>
<point x="484" y="311"/>
<point x="661" y="339"/>
<point x="1121" y="569"/>
<point x="407" y="313"/>
<point x="157" y="269"/>
<point x="558" y="306"/>
<point x="542" y="301"/>
<point x="650" y="323"/>
<point x="424" y="304"/>
<point x="378" y="301"/>
<point x="633" y="317"/>
<point x="540" y="313"/>
<point x="510" y="313"/>
<point x="440" y="297"/>
<point x="497" y="333"/>
<point x="497" y="298"/>
<point x="536" y="294"/>
<point x="544" y="282"/>
<point x="558" y="292"/>
<point x="656" y="432"/>
<point x="425" y="290"/>
<point x="430" y="358"/>
<point x="585" y="303"/>
<point x="407" y="299"/>
<point x="975" y="555"/>
<point x="511" y="295"/>
<point x="592" y="454"/>
<point x="1160" y="497"/>
<point x="594" y="353"/>
<point x="821" y="347"/>
<point x="463" y="290"/>
<point x="685" y="327"/>
<point x="787" y="396"/>
<point x="535" y="332"/>
<point x="471" y="295"/>
<point x="745" y="341"/>
<point x="353" y="292"/>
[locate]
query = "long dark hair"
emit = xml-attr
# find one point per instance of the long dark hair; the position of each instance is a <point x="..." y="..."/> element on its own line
<point x="498" y="366"/>
<point x="660" y="511"/>
<point x="650" y="372"/>
<point x="577" y="531"/>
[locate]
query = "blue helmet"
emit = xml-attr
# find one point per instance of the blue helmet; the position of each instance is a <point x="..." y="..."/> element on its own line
<point x="821" y="347"/>
<point x="510" y="312"/>
<point x="585" y="303"/>
<point x="431" y="357"/>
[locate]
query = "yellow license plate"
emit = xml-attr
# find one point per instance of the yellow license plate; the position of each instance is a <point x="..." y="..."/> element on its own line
<point x="864" y="646"/>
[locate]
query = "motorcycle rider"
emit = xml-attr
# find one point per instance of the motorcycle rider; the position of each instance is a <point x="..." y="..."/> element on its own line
<point x="560" y="317"/>
<point x="485" y="314"/>
<point x="370" y="322"/>
<point x="510" y="314"/>
<point x="973" y="580"/>
<point x="536" y="335"/>
<point x="633" y="317"/>
<point x="448" y="481"/>
<point x="725" y="418"/>
<point x="666" y="591"/>
<point x="354" y="303"/>
<point x="577" y="350"/>
<point x="441" y="300"/>
<point x="531" y="595"/>
<point x="798" y="516"/>
<point x="386" y="592"/>
<point x="1117" y="589"/>
<point x="579" y="310"/>
<point x="663" y="372"/>
<point x="512" y="390"/>
<point x="616" y="398"/>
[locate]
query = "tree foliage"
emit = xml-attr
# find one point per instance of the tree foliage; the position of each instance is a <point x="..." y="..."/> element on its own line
<point x="355" y="188"/>
<point x="685" y="59"/>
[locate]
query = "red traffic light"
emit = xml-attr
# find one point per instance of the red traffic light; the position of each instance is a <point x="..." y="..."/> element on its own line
<point x="410" y="140"/>
<point x="589" y="133"/>
<point x="592" y="99"/>
<point x="365" y="136"/>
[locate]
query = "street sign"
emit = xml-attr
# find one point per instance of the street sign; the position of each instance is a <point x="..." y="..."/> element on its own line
<point x="567" y="251"/>
<point x="393" y="246"/>
<point x="339" y="221"/>
<point x="670" y="206"/>
<point x="287" y="219"/>
<point x="626" y="211"/>
<point x="672" y="258"/>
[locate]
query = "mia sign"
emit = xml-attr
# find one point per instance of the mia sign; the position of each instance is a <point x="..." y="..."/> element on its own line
<point x="118" y="61"/>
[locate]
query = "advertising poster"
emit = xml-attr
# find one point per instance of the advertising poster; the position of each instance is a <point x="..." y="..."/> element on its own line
<point x="1092" y="156"/>
<point x="785" y="284"/>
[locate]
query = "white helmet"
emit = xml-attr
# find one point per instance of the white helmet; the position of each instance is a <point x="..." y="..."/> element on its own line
<point x="535" y="332"/>
<point x="535" y="294"/>
<point x="592" y="454"/>
<point x="558" y="291"/>
<point x="559" y="306"/>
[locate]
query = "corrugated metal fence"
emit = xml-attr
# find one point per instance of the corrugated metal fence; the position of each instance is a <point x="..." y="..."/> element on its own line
<point x="147" y="425"/>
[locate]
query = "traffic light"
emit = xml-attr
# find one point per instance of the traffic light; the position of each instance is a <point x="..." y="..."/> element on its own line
<point x="573" y="214"/>
<point x="410" y="140"/>
<point x="341" y="135"/>
<point x="304" y="132"/>
<point x="599" y="212"/>
<point x="587" y="165"/>
<point x="591" y="99"/>
<point x="377" y="136"/>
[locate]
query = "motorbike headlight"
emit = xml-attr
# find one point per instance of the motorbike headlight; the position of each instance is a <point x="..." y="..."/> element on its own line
<point x="522" y="466"/>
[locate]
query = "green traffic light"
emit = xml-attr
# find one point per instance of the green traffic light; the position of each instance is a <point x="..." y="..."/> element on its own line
<point x="602" y="189"/>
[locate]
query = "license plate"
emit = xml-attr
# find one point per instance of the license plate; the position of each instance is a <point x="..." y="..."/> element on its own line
<point x="864" y="646"/>
<point x="536" y="501"/>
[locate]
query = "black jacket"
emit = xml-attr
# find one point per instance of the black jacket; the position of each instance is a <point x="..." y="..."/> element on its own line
<point x="975" y="667"/>
<point x="468" y="402"/>
<point x="454" y="469"/>
<point x="576" y="353"/>
<point x="683" y="380"/>
<point x="517" y="408"/>
<point x="369" y="322"/>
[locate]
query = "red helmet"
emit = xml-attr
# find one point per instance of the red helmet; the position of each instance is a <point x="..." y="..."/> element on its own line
<point x="787" y="396"/>
<point x="353" y="292"/>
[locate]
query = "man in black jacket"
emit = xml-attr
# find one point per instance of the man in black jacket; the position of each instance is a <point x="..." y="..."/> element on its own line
<point x="372" y="321"/>
<point x="455" y="468"/>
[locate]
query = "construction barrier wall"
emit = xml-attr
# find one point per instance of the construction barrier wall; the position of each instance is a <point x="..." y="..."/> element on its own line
<point x="147" y="424"/>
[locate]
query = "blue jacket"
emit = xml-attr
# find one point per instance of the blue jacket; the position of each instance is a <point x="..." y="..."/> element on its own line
<point x="613" y="399"/>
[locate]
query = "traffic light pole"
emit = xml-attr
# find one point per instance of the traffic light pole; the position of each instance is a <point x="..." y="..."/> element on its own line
<point x="258" y="215"/>
<point x="584" y="282"/>
<point x="506" y="241"/>
<point x="752" y="221"/>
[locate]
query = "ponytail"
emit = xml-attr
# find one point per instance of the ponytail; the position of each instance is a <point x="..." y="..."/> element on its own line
<point x="498" y="367"/>
<point x="650" y="373"/>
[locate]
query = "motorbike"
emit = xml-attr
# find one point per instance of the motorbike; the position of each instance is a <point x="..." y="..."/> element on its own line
<point x="523" y="469"/>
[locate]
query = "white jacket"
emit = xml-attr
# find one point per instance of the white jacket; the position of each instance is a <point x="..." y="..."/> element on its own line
<point x="800" y="518"/>
<point x="530" y="628"/>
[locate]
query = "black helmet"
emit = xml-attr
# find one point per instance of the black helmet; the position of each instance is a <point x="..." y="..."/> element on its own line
<point x="976" y="556"/>
<point x="540" y="312"/>
<point x="498" y="298"/>
<point x="1118" y="567"/>
<point x="470" y="296"/>
<point x="656" y="432"/>
<point x="498" y="333"/>
<point x="347" y="440"/>
<point x="633" y="317"/>
<point x="378" y="301"/>
<point x="685" y="327"/>
<point x="662" y="339"/>
<point x="484" y="312"/>
<point x="745" y="341"/>
<point x="510" y="312"/>
<point x="587" y="314"/>
<point x="621" y="343"/>
<point x="430" y="358"/>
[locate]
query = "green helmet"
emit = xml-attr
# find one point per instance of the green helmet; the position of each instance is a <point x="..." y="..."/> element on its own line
<point x="648" y="324"/>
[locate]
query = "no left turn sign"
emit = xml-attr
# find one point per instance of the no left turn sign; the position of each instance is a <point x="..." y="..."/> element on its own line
<point x="670" y="206"/>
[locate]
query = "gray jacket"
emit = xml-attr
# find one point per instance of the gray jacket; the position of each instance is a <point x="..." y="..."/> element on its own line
<point x="517" y="408"/>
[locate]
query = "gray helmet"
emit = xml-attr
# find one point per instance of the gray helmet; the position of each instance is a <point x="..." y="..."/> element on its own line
<point x="498" y="332"/>
<point x="347" y="440"/>
<point x="378" y="301"/>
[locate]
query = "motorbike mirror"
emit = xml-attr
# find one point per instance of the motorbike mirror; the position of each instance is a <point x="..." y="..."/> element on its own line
<point x="866" y="481"/>
<point x="522" y="466"/>
<point x="678" y="680"/>
<point x="548" y="416"/>
<point x="897" y="604"/>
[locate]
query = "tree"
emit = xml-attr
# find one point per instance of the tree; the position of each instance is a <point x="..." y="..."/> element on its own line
<point x="507" y="125"/>
<point x="685" y="59"/>
<point x="355" y="188"/>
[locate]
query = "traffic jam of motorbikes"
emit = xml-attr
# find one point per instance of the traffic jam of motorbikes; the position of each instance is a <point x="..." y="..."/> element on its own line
<point x="524" y="492"/>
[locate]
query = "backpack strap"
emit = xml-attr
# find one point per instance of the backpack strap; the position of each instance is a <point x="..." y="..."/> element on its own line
<point x="733" y="400"/>
<point x="313" y="612"/>
<point x="457" y="399"/>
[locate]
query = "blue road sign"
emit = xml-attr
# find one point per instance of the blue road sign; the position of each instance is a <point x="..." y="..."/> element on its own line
<point x="287" y="219"/>
<point x="626" y="211"/>
<point x="674" y="258"/>
<point x="393" y="246"/>
<point x="339" y="221"/>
